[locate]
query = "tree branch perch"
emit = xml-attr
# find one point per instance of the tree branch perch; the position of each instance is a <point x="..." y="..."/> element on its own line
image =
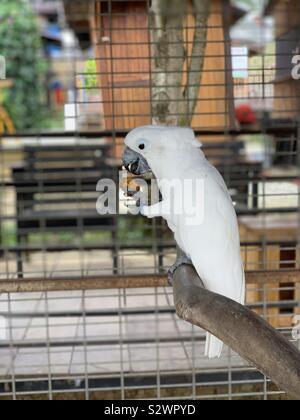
<point x="238" y="327"/>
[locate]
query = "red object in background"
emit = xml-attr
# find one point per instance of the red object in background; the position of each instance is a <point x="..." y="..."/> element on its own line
<point x="245" y="114"/>
<point x="57" y="93"/>
<point x="59" y="96"/>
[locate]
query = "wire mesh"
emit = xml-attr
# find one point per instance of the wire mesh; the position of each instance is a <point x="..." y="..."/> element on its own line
<point x="69" y="326"/>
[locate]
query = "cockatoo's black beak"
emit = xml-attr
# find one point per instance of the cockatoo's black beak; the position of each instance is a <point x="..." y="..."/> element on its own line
<point x="134" y="162"/>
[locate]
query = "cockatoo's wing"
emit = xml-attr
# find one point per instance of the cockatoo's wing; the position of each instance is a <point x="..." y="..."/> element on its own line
<point x="214" y="246"/>
<point x="226" y="210"/>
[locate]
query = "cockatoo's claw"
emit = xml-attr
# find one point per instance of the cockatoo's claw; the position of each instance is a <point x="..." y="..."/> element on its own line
<point x="181" y="260"/>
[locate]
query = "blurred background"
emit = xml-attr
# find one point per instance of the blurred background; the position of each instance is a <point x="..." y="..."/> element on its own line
<point x="85" y="310"/>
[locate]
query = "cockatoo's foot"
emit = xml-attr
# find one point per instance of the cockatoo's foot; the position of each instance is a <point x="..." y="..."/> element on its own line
<point x="182" y="259"/>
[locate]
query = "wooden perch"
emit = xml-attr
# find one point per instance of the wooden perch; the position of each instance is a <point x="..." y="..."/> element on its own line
<point x="238" y="327"/>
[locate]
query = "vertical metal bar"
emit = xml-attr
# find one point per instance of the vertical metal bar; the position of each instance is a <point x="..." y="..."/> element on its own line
<point x="157" y="344"/>
<point x="194" y="362"/>
<point x="12" y="349"/>
<point x="230" y="390"/>
<point x="48" y="340"/>
<point x="121" y="346"/>
<point x="85" y="346"/>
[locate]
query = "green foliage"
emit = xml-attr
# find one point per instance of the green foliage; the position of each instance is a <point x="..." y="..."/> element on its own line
<point x="130" y="231"/>
<point x="20" y="44"/>
<point x="90" y="75"/>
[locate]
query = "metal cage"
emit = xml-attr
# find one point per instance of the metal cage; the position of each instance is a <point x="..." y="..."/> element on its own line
<point x="85" y="308"/>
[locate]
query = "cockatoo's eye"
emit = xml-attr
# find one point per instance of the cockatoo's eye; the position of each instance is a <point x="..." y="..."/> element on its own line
<point x="142" y="146"/>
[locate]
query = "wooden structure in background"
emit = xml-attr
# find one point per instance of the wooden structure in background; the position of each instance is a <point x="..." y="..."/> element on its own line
<point x="78" y="17"/>
<point x="121" y="37"/>
<point x="123" y="59"/>
<point x="287" y="25"/>
<point x="265" y="229"/>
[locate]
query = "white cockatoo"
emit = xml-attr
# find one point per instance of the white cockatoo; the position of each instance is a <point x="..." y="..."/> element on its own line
<point x="211" y="242"/>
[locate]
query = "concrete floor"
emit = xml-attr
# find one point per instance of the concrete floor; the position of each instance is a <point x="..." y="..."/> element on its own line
<point x="38" y="344"/>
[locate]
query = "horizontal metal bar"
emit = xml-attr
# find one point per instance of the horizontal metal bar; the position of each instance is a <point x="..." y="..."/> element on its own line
<point x="164" y="244"/>
<point x="79" y="219"/>
<point x="24" y="344"/>
<point x="132" y="312"/>
<point x="154" y="101"/>
<point x="275" y="130"/>
<point x="128" y="282"/>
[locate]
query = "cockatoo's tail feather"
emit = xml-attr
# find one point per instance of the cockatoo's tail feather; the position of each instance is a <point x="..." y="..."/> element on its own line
<point x="213" y="347"/>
